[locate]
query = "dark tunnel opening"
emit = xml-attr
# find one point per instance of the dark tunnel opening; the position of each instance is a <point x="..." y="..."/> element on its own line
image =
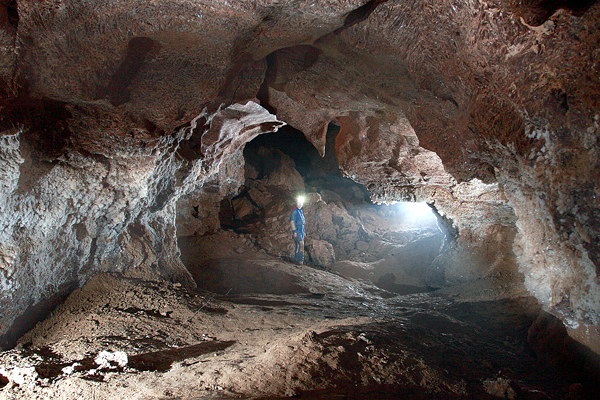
<point x="536" y="12"/>
<point x="344" y="227"/>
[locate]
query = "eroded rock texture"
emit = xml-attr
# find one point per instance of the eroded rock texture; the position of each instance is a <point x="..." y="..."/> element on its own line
<point x="111" y="110"/>
<point x="345" y="233"/>
<point x="495" y="97"/>
<point x="103" y="204"/>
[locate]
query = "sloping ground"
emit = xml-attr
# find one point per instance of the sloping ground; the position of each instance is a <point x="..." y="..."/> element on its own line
<point x="132" y="338"/>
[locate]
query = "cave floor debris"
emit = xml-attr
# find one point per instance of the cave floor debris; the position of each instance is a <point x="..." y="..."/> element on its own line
<point x="330" y="337"/>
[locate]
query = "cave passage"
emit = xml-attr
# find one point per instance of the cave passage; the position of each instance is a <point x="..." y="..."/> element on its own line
<point x="381" y="282"/>
<point x="393" y="246"/>
<point x="151" y="153"/>
<point x="415" y="213"/>
<point x="361" y="258"/>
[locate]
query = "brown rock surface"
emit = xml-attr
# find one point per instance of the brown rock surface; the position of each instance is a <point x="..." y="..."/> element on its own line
<point x="320" y="252"/>
<point x="493" y="97"/>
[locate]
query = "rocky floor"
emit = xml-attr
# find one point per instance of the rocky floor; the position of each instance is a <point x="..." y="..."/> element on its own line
<point x="317" y="336"/>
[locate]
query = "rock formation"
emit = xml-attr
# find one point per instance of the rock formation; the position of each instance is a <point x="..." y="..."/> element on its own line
<point x="345" y="233"/>
<point x="106" y="204"/>
<point x="117" y="117"/>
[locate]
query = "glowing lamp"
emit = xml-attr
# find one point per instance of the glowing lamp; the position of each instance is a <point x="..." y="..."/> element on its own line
<point x="300" y="199"/>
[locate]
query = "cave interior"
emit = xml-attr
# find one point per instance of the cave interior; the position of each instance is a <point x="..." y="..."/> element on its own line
<point x="151" y="154"/>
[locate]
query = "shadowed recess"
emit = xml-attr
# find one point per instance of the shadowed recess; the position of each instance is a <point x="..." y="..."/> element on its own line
<point x="135" y="57"/>
<point x="360" y="14"/>
<point x="9" y="15"/>
<point x="536" y="12"/>
<point x="162" y="360"/>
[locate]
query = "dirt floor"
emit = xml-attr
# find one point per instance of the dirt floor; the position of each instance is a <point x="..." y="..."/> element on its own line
<point x="307" y="333"/>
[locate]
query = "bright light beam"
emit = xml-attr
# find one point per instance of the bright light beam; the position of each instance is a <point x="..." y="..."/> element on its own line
<point x="417" y="213"/>
<point x="419" y="210"/>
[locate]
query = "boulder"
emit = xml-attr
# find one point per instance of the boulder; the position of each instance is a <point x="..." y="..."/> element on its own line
<point x="243" y="207"/>
<point x="355" y="269"/>
<point x="260" y="195"/>
<point x="321" y="253"/>
<point x="280" y="170"/>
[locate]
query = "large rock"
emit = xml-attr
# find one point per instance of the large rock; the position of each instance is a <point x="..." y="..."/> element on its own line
<point x="397" y="265"/>
<point x="281" y="171"/>
<point x="321" y="253"/>
<point x="556" y="345"/>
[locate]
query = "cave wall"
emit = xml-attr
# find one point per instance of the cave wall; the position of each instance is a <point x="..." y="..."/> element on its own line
<point x="480" y="222"/>
<point x="498" y="95"/>
<point x="107" y="209"/>
<point x="64" y="220"/>
<point x="107" y="114"/>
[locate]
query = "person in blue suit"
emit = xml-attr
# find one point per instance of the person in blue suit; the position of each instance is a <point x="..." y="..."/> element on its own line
<point x="297" y="222"/>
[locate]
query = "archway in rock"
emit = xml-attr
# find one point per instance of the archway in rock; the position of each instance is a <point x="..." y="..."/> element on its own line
<point x="393" y="246"/>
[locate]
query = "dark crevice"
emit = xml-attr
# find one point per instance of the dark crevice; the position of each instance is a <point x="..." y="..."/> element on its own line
<point x="270" y="76"/>
<point x="150" y="313"/>
<point x="35" y="313"/>
<point x="12" y="11"/>
<point x="45" y="134"/>
<point x="360" y="14"/>
<point x="228" y="219"/>
<point x="44" y="118"/>
<point x="191" y="149"/>
<point x="9" y="15"/>
<point x="330" y="157"/>
<point x="226" y="214"/>
<point x="91" y="258"/>
<point x="3" y="381"/>
<point x="536" y="12"/>
<point x="117" y="90"/>
<point x="162" y="360"/>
